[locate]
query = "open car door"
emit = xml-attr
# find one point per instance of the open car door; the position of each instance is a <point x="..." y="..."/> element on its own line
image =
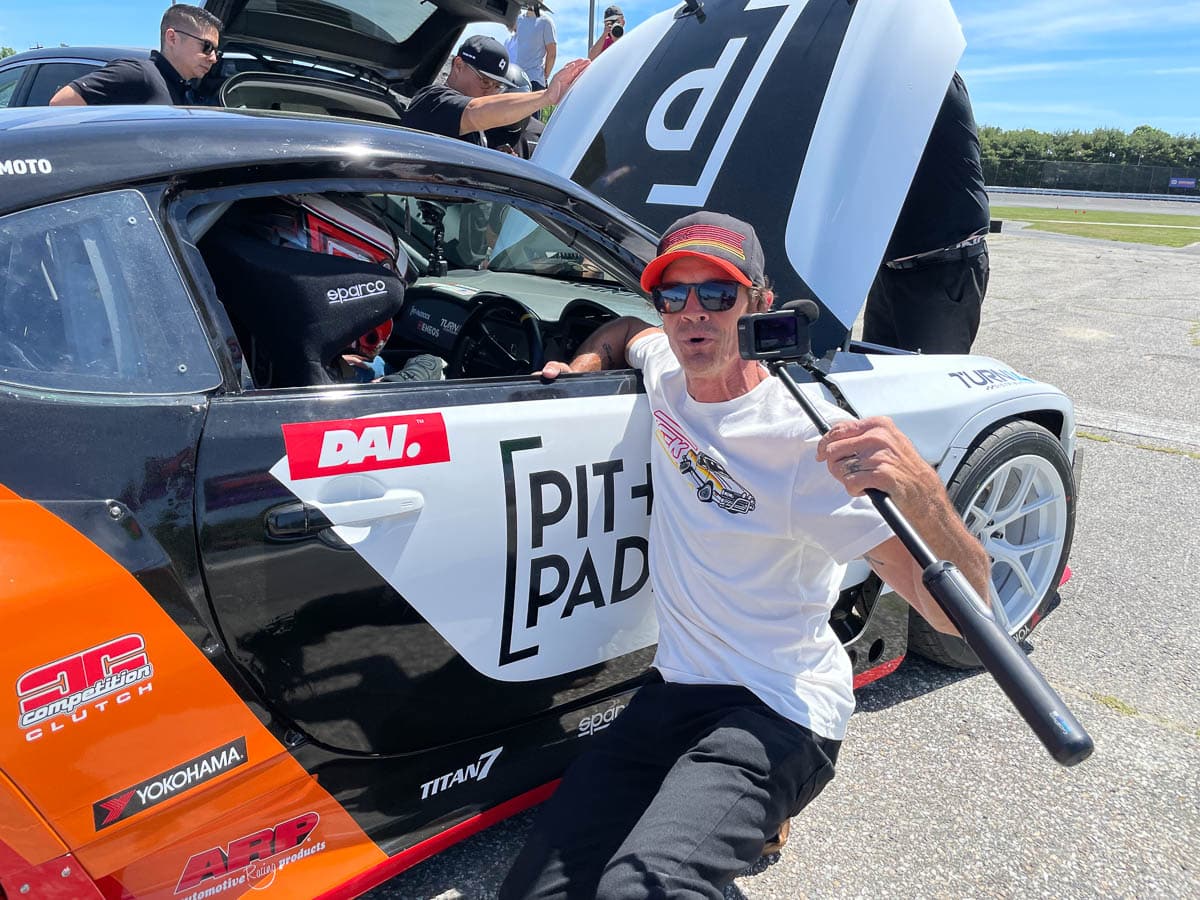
<point x="806" y="118"/>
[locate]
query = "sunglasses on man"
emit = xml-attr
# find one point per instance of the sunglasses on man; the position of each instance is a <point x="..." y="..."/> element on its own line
<point x="207" y="47"/>
<point x="714" y="296"/>
<point x="489" y="84"/>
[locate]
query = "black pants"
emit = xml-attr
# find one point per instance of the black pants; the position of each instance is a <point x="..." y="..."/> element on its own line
<point x="933" y="308"/>
<point x="674" y="799"/>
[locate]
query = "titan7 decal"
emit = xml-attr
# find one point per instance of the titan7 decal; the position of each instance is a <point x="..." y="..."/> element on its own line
<point x="165" y="785"/>
<point x="712" y="480"/>
<point x="537" y="521"/>
<point x="476" y="771"/>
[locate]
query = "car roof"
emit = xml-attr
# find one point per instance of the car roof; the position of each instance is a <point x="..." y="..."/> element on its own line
<point x="100" y="54"/>
<point x="59" y="160"/>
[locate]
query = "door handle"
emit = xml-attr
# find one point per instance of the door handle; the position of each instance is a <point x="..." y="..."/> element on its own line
<point x="393" y="504"/>
<point x="292" y="521"/>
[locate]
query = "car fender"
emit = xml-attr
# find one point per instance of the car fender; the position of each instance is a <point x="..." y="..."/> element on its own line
<point x="943" y="403"/>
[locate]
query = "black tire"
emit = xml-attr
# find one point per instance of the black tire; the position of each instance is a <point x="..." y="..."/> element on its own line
<point x="1017" y="445"/>
<point x="705" y="492"/>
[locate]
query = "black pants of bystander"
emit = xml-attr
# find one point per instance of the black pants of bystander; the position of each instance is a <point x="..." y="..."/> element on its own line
<point x="933" y="307"/>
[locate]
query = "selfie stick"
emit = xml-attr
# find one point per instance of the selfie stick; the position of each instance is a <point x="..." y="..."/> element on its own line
<point x="1037" y="702"/>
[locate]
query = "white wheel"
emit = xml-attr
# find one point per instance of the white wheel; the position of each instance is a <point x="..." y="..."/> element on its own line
<point x="1016" y="494"/>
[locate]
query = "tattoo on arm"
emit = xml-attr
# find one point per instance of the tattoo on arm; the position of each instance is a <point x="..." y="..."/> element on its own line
<point x="874" y="562"/>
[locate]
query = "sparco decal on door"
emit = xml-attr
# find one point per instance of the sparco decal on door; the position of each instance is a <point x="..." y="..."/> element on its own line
<point x="166" y="785"/>
<point x="52" y="696"/>
<point x="251" y="861"/>
<point x="525" y="546"/>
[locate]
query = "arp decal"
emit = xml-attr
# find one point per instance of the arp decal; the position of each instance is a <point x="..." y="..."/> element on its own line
<point x="989" y="378"/>
<point x="365" y="445"/>
<point x="526" y="549"/>
<point x="110" y="673"/>
<point x="476" y="771"/>
<point x="711" y="479"/>
<point x="171" y="783"/>
<point x="252" y="860"/>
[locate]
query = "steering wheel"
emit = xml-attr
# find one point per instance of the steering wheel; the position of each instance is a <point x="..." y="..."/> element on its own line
<point x="477" y="347"/>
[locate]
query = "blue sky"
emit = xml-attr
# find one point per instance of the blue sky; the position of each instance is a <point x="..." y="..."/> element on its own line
<point x="1044" y="64"/>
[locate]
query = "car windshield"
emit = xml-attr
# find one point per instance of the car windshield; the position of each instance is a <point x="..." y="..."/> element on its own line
<point x="383" y="19"/>
<point x="483" y="234"/>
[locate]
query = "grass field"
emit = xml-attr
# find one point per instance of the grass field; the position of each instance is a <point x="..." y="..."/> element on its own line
<point x="1163" y="229"/>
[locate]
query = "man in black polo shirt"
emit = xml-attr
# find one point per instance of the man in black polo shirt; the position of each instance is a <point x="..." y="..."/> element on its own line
<point x="188" y="39"/>
<point x="929" y="291"/>
<point x="470" y="102"/>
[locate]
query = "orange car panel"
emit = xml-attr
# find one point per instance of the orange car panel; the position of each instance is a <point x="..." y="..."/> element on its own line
<point x="110" y="693"/>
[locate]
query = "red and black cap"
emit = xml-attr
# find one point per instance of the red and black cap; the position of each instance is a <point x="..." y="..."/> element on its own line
<point x="488" y="56"/>
<point x="722" y="240"/>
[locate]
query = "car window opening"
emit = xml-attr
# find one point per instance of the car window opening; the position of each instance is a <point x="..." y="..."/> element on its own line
<point x="398" y="288"/>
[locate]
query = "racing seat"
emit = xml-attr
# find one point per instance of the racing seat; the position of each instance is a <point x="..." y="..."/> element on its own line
<point x="294" y="311"/>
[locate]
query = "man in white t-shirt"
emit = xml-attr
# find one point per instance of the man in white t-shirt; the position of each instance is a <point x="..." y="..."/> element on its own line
<point x="755" y="517"/>
<point x="537" y="44"/>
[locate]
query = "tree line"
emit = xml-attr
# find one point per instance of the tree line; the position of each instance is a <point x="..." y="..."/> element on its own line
<point x="1144" y="146"/>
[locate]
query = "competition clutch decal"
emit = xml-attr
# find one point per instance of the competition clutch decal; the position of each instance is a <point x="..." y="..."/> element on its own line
<point x="712" y="480"/>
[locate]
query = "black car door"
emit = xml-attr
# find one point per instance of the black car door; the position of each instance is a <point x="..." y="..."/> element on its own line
<point x="397" y="566"/>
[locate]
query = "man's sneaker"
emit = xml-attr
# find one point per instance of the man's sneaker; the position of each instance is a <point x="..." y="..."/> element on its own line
<point x="775" y="844"/>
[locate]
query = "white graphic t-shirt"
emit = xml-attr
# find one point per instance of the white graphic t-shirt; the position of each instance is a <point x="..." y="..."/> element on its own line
<point x="749" y="540"/>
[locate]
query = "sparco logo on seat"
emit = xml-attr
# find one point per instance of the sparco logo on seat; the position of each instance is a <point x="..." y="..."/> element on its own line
<point x="165" y="785"/>
<point x="357" y="291"/>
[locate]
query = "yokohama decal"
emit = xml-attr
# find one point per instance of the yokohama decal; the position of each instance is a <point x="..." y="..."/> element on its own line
<point x="252" y="860"/>
<point x="166" y="785"/>
<point x="316" y="449"/>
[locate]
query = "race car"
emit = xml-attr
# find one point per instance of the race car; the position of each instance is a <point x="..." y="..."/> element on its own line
<point x="271" y="629"/>
<point x="714" y="484"/>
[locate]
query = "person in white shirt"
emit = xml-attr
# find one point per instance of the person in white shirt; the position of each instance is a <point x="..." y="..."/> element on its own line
<point x="537" y="44"/>
<point x="755" y="517"/>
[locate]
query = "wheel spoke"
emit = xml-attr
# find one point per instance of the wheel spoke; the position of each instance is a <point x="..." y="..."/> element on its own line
<point x="1002" y="551"/>
<point x="994" y="493"/>
<point x="1025" y="510"/>
<point x="1013" y="507"/>
<point x="1035" y="544"/>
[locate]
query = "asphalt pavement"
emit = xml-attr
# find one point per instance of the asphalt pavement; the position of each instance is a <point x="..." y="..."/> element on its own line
<point x="941" y="789"/>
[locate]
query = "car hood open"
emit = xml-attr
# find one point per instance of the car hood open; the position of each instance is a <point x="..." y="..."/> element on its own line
<point x="402" y="42"/>
<point x="806" y="118"/>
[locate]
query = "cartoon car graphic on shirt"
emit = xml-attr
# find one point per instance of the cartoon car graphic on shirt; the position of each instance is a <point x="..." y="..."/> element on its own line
<point x="714" y="484"/>
<point x="281" y="632"/>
